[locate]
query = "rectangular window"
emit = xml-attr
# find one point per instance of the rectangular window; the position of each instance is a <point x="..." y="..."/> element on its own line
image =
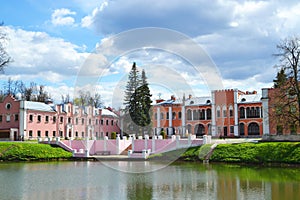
<point x="46" y="133"/>
<point x="224" y="113"/>
<point x="30" y="133"/>
<point x="96" y="121"/>
<point x="54" y="133"/>
<point x="76" y="121"/>
<point x="60" y="133"/>
<point x="101" y="121"/>
<point x="54" y="119"/>
<point x="82" y="134"/>
<point x="231" y="113"/>
<point x="39" y="118"/>
<point x="31" y="118"/>
<point x="231" y="129"/>
<point x="69" y="120"/>
<point x="82" y="121"/>
<point x="167" y="115"/>
<point x="61" y="119"/>
<point x="39" y="133"/>
<point x="0" y="118"/>
<point x="8" y="118"/>
<point x="90" y="121"/>
<point x="106" y="122"/>
<point x="16" y="117"/>
<point x="76" y="134"/>
<point x="47" y="119"/>
<point x="218" y="113"/>
<point x="112" y="122"/>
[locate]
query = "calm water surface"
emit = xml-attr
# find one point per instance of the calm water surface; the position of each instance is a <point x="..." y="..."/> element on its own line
<point x="97" y="180"/>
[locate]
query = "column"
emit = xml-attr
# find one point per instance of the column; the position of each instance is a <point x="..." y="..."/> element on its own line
<point x="205" y="114"/>
<point x="265" y="109"/>
<point x="170" y="121"/>
<point x="213" y="116"/>
<point x="183" y="119"/>
<point x="235" y="109"/>
<point x="158" y="121"/>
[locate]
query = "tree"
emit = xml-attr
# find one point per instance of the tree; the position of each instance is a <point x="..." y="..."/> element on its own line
<point x="287" y="99"/>
<point x="137" y="103"/>
<point x="86" y="99"/>
<point x="4" y="57"/>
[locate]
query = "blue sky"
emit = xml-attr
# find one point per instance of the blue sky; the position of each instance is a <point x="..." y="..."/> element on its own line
<point x="50" y="41"/>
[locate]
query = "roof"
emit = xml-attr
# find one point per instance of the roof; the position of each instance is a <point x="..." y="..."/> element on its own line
<point x="249" y="98"/>
<point x="31" y="105"/>
<point x="188" y="101"/>
<point x="107" y="112"/>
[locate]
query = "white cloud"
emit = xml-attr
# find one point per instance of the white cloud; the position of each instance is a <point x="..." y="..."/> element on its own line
<point x="63" y="17"/>
<point x="42" y="56"/>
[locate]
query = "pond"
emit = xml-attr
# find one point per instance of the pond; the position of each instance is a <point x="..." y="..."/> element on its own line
<point x="107" y="180"/>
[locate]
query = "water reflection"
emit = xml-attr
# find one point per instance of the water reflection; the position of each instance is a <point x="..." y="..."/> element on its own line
<point x="93" y="180"/>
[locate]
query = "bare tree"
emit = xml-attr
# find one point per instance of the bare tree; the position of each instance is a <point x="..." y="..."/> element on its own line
<point x="287" y="98"/>
<point x="4" y="57"/>
<point x="86" y="99"/>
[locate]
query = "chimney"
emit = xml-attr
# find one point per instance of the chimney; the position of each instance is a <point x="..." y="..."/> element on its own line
<point x="190" y="96"/>
<point x="173" y="98"/>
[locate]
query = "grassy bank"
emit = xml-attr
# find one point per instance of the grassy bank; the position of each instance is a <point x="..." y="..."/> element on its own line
<point x="20" y="151"/>
<point x="267" y="152"/>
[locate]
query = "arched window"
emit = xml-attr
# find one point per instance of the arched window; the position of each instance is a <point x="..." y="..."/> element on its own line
<point x="208" y="113"/>
<point x="253" y="129"/>
<point x="230" y="111"/>
<point x="224" y="109"/>
<point x="202" y="114"/>
<point x="189" y="115"/>
<point x="242" y="129"/>
<point x="242" y="113"/>
<point x="195" y="115"/>
<point x="218" y="111"/>
<point x="179" y="115"/>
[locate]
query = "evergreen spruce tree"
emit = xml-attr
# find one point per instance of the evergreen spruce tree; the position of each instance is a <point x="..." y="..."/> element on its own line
<point x="281" y="79"/>
<point x="137" y="116"/>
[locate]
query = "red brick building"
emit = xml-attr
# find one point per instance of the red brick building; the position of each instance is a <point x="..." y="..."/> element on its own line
<point x="225" y="113"/>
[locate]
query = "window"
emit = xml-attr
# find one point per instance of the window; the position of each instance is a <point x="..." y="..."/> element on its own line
<point x="82" y="134"/>
<point x="8" y="118"/>
<point x="208" y="113"/>
<point x="101" y="121"/>
<point x="173" y="115"/>
<point x="47" y="119"/>
<point x="279" y="129"/>
<point x="0" y="118"/>
<point x="54" y="133"/>
<point x="76" y="120"/>
<point x="39" y="118"/>
<point x="218" y="111"/>
<point x="161" y="115"/>
<point x="16" y="117"/>
<point x="202" y="114"/>
<point x="224" y="111"/>
<point x="30" y="133"/>
<point x="90" y="121"/>
<point x="82" y="121"/>
<point x="8" y="106"/>
<point x="155" y="116"/>
<point x="76" y="134"/>
<point x="230" y="111"/>
<point x="96" y="121"/>
<point x="60" y="133"/>
<point x="61" y="119"/>
<point x="69" y="120"/>
<point x="112" y="122"/>
<point x="242" y="113"/>
<point x="107" y="122"/>
<point x="231" y="129"/>
<point x="31" y="118"/>
<point x="46" y="133"/>
<point x="189" y="115"/>
<point x="39" y="133"/>
<point x="179" y="115"/>
<point x="54" y="119"/>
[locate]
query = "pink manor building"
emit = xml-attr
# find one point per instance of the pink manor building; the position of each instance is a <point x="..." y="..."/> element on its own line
<point x="31" y="120"/>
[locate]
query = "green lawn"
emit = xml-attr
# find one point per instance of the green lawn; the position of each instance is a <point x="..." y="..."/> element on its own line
<point x="20" y="151"/>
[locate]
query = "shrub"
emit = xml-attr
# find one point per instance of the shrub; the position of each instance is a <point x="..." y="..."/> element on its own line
<point x="113" y="135"/>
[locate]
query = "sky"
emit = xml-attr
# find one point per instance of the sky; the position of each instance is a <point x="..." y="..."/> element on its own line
<point x="190" y="46"/>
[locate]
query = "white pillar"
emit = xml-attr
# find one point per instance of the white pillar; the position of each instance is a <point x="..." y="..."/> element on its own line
<point x="265" y="107"/>
<point x="158" y="121"/>
<point x="118" y="144"/>
<point x="170" y="121"/>
<point x="183" y="118"/>
<point x="205" y="114"/>
<point x="22" y="119"/>
<point x="213" y="116"/>
<point x="235" y="109"/>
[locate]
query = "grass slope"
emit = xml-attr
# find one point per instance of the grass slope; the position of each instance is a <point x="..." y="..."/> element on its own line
<point x="18" y="151"/>
<point x="269" y="152"/>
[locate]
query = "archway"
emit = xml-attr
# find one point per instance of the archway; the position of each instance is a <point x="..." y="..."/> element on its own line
<point x="253" y="128"/>
<point x="199" y="130"/>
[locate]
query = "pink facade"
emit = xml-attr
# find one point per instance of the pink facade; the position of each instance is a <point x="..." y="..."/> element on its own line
<point x="32" y="120"/>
